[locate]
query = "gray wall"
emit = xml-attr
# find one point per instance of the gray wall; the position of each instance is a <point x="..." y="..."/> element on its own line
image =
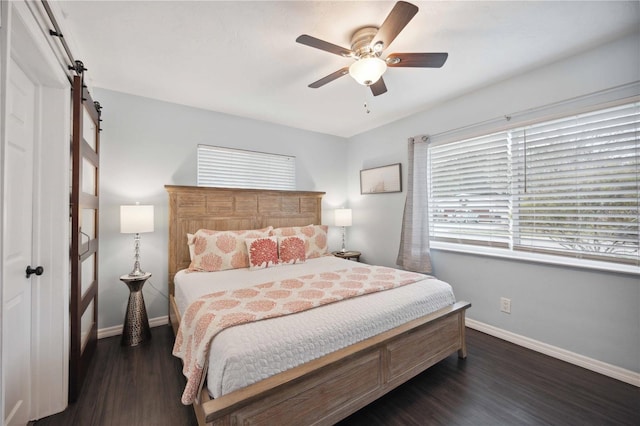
<point x="147" y="144"/>
<point x="592" y="313"/>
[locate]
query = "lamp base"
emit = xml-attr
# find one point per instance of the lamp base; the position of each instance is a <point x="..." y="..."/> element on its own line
<point x="343" y="250"/>
<point x="136" y="272"/>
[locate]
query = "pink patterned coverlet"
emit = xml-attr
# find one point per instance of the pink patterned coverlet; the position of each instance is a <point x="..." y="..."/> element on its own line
<point x="210" y="314"/>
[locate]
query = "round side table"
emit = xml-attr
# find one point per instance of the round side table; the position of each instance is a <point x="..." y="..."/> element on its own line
<point x="136" y="323"/>
<point x="349" y="255"/>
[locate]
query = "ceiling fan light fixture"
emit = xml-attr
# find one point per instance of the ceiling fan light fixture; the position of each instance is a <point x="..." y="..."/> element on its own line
<point x="368" y="70"/>
<point x="367" y="46"/>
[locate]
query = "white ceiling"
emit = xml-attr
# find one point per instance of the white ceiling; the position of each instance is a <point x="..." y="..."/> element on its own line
<point x="241" y="58"/>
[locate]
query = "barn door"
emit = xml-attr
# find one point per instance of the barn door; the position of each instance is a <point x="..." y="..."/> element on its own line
<point x="84" y="234"/>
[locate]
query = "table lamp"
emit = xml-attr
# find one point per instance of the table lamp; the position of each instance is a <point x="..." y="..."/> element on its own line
<point x="136" y="219"/>
<point x="343" y="218"/>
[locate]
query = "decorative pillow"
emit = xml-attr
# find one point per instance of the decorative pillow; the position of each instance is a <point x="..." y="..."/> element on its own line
<point x="291" y="250"/>
<point x="263" y="252"/>
<point x="221" y="250"/>
<point x="315" y="241"/>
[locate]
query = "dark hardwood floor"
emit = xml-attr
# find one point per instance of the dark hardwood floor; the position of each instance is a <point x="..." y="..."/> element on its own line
<point x="498" y="384"/>
<point x="124" y="386"/>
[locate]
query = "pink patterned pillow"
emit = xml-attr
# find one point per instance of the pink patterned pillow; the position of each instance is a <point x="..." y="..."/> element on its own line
<point x="291" y="250"/>
<point x="263" y="252"/>
<point x="315" y="238"/>
<point x="221" y="250"/>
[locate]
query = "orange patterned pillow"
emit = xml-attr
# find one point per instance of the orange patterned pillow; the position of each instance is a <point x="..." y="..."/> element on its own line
<point x="291" y="250"/>
<point x="315" y="238"/>
<point x="221" y="250"/>
<point x="263" y="252"/>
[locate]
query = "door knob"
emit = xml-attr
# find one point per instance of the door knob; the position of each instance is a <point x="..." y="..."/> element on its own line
<point x="38" y="271"/>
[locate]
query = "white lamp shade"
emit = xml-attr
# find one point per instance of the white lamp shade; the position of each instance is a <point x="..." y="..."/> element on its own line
<point x="136" y="219"/>
<point x="343" y="217"/>
<point x="367" y="71"/>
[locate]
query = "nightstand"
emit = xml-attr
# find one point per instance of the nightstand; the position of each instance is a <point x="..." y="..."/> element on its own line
<point x="136" y="323"/>
<point x="349" y="255"/>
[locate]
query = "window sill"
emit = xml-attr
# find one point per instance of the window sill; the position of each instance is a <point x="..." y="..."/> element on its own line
<point x="536" y="257"/>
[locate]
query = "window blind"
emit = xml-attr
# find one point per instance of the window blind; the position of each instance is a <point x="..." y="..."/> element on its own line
<point x="567" y="187"/>
<point x="235" y="168"/>
<point x="577" y="187"/>
<point x="469" y="191"/>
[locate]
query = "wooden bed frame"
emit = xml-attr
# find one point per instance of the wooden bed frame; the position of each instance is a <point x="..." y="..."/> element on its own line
<point x="328" y="389"/>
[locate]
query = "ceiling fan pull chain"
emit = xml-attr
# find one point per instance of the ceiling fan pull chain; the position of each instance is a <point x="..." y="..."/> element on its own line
<point x="368" y="100"/>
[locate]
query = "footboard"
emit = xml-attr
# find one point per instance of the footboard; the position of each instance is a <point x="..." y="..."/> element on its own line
<point x="330" y="388"/>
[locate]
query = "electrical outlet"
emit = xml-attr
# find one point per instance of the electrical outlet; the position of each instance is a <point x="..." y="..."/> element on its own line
<point x="505" y="305"/>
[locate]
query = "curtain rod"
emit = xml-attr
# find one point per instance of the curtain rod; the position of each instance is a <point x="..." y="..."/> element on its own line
<point x="617" y="93"/>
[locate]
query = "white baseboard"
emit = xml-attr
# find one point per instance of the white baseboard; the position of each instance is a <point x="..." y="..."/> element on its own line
<point x="609" y="370"/>
<point x="117" y="329"/>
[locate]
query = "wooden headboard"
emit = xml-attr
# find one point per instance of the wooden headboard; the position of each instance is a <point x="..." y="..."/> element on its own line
<point x="192" y="208"/>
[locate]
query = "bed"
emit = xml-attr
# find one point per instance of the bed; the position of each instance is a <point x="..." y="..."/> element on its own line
<point x="325" y="389"/>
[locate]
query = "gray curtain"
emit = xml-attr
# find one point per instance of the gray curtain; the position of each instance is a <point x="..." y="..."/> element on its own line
<point x="414" y="239"/>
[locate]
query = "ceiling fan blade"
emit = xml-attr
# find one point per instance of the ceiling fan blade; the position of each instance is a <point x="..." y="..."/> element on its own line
<point x="420" y="60"/>
<point x="378" y="88"/>
<point x="329" y="78"/>
<point x="323" y="45"/>
<point x="397" y="19"/>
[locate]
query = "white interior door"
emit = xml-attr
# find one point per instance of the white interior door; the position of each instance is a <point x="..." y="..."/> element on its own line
<point x="18" y="245"/>
<point x="35" y="114"/>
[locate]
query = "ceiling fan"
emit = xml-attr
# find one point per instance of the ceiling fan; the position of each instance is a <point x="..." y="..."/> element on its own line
<point x="367" y="45"/>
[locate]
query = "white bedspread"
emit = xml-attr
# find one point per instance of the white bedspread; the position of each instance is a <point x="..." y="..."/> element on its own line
<point x="248" y="353"/>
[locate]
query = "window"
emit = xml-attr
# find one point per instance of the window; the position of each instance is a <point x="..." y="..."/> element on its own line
<point x="236" y="168"/>
<point x="565" y="187"/>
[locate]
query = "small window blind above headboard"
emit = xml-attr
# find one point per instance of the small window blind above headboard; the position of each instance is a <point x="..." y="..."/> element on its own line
<point x="236" y="168"/>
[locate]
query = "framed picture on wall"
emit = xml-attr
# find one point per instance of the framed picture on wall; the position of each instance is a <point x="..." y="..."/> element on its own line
<point x="380" y="180"/>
